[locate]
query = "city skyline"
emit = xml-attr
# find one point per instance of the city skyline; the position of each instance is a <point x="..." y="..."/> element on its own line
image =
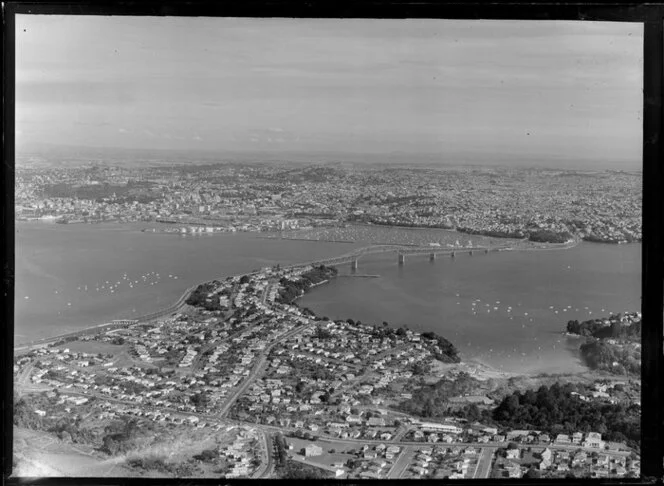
<point x="493" y="91"/>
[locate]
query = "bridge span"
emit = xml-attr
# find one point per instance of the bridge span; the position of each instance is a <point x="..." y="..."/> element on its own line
<point x="402" y="252"/>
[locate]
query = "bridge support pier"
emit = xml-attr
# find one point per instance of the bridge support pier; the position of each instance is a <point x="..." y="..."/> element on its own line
<point x="402" y="258"/>
<point x="453" y="254"/>
<point x="471" y="252"/>
<point x="432" y="257"/>
<point x="486" y="250"/>
<point x="353" y="264"/>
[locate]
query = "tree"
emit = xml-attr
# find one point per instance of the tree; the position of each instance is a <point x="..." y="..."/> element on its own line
<point x="472" y="412"/>
<point x="207" y="455"/>
<point x="110" y="445"/>
<point x="199" y="399"/>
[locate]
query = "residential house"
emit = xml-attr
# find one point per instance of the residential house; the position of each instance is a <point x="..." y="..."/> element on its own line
<point x="313" y="450"/>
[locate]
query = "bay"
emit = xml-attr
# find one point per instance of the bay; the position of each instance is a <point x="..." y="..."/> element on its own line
<point x="54" y="264"/>
<point x="497" y="308"/>
<point x="503" y="309"/>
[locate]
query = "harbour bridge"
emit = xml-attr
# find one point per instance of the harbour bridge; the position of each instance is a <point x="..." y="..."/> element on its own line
<point x="402" y="251"/>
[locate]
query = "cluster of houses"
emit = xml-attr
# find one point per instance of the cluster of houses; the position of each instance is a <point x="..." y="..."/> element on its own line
<point x="559" y="462"/>
<point x="293" y="362"/>
<point x="240" y="454"/>
<point x="374" y="462"/>
<point x="440" y="462"/>
<point x="589" y="440"/>
<point x="58" y="357"/>
<point x="435" y="432"/>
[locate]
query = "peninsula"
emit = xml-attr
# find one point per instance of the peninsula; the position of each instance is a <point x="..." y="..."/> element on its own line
<point x="242" y="364"/>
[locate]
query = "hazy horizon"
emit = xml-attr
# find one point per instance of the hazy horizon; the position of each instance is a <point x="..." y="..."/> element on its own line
<point x="528" y="93"/>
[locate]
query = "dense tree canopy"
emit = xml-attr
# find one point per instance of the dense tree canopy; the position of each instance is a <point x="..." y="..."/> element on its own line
<point x="433" y="400"/>
<point x="546" y="236"/>
<point x="199" y="298"/>
<point x="290" y="290"/>
<point x="555" y="410"/>
<point x="600" y="353"/>
<point x="598" y="329"/>
<point x="620" y="360"/>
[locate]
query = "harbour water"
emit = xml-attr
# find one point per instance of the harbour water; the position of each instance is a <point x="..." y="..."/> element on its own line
<point x="69" y="277"/>
<point x="506" y="309"/>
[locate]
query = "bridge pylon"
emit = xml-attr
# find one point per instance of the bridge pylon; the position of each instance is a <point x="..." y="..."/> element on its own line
<point x="432" y="257"/>
<point x="353" y="264"/>
<point x="402" y="258"/>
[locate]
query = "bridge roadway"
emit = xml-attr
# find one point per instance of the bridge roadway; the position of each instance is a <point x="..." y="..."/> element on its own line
<point x="401" y="250"/>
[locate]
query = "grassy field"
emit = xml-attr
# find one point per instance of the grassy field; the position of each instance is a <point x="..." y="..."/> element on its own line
<point x="93" y="347"/>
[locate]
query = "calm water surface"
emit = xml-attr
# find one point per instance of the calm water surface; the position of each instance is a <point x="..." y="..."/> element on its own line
<point x="55" y="263"/>
<point x="506" y="309"/>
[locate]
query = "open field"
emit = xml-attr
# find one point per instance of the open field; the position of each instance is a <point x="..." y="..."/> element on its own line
<point x="93" y="347"/>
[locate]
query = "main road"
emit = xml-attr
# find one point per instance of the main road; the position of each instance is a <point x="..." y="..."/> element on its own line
<point x="256" y="371"/>
<point x="483" y="467"/>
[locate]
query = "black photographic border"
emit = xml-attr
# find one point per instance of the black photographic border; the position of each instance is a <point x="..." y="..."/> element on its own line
<point x="650" y="15"/>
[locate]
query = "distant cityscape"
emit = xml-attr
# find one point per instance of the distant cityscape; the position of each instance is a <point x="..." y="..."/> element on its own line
<point x="542" y="205"/>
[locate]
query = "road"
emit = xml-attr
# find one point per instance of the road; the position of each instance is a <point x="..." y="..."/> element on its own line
<point x="266" y="469"/>
<point x="483" y="467"/>
<point x="400" y="464"/>
<point x="256" y="371"/>
<point x="266" y="466"/>
<point x="23" y="378"/>
<point x="217" y="418"/>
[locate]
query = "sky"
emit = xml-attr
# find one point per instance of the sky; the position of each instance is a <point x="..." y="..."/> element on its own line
<point x="524" y="89"/>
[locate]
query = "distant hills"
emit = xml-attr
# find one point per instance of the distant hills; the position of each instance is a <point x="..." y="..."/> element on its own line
<point x="68" y="155"/>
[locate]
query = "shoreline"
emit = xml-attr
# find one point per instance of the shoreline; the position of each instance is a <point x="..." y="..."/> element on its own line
<point x="180" y="303"/>
<point x="174" y="307"/>
<point x="51" y="222"/>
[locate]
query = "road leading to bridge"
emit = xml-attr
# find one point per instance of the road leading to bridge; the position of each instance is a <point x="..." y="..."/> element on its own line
<point x="403" y="250"/>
